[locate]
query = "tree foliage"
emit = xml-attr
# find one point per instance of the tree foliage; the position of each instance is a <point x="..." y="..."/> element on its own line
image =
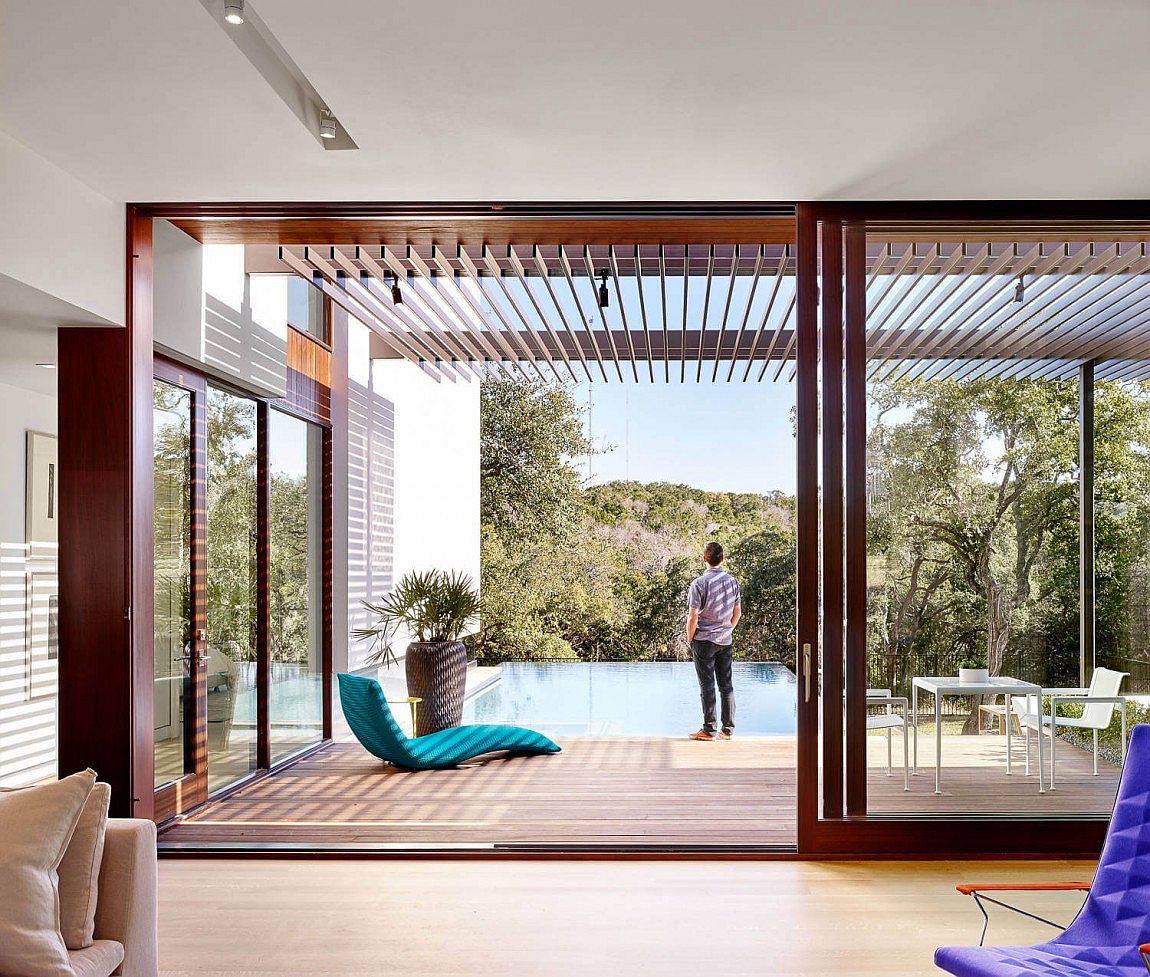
<point x="601" y="572"/>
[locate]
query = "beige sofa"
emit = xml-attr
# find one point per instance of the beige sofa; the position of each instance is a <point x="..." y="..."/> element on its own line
<point x="125" y="942"/>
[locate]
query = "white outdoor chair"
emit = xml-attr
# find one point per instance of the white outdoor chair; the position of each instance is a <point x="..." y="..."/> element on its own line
<point x="1098" y="710"/>
<point x="890" y="720"/>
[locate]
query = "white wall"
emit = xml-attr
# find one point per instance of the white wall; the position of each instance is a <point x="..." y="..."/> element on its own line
<point x="413" y="476"/>
<point x="27" y="726"/>
<point x="436" y="469"/>
<point x="208" y="313"/>
<point x="60" y="236"/>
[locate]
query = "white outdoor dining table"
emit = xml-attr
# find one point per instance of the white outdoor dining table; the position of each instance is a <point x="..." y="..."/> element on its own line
<point x="940" y="686"/>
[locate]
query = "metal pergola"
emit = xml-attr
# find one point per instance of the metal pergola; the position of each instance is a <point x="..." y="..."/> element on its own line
<point x="935" y="309"/>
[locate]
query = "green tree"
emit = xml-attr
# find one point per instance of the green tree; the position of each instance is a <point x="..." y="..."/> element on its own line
<point x="529" y="434"/>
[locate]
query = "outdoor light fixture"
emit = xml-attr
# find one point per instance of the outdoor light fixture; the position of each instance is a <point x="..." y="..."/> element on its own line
<point x="396" y="294"/>
<point x="1020" y="290"/>
<point x="234" y="11"/>
<point x="604" y="298"/>
<point x="327" y="126"/>
<point x="47" y="366"/>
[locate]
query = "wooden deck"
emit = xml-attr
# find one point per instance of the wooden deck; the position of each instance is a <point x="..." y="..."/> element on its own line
<point x="607" y="791"/>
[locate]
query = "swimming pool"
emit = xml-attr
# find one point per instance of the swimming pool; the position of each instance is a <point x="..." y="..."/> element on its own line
<point x="630" y="698"/>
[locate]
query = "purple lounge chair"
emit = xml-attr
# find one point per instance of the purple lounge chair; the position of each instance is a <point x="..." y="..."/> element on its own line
<point x="1108" y="936"/>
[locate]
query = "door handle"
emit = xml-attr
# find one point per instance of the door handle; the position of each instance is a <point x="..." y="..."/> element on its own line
<point x="806" y="673"/>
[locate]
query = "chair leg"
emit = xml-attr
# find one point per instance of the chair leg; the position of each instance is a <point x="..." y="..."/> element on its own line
<point x="1095" y="752"/>
<point x="1053" y="740"/>
<point x="888" y="752"/>
<point x="1027" y="738"/>
<point x="1122" y="748"/>
<point x="905" y="758"/>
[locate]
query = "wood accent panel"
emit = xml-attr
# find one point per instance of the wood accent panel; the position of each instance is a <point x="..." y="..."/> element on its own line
<point x="106" y="542"/>
<point x="832" y="524"/>
<point x="855" y="506"/>
<point x="497" y="225"/>
<point x="309" y="366"/>
<point x="807" y="522"/>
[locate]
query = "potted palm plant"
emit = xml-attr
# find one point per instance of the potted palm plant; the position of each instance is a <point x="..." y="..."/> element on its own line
<point x="436" y="609"/>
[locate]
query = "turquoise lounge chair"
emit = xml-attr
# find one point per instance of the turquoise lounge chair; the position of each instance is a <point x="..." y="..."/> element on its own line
<point x="370" y="718"/>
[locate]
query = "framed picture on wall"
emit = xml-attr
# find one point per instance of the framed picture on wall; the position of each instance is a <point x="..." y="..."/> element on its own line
<point x="42" y="496"/>
<point x="41" y="632"/>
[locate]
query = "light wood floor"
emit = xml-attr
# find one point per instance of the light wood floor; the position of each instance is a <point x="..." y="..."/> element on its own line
<point x="220" y="918"/>
<point x="614" y="792"/>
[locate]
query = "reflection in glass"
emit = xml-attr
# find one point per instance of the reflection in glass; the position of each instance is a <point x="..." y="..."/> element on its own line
<point x="296" y="692"/>
<point x="305" y="307"/>
<point x="231" y="581"/>
<point x="173" y="566"/>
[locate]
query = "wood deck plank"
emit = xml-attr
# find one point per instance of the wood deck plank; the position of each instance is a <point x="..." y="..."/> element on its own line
<point x="615" y="791"/>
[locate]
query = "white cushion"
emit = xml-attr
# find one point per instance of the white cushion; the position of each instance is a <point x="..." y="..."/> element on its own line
<point x="80" y="871"/>
<point x="36" y="825"/>
<point x="100" y="959"/>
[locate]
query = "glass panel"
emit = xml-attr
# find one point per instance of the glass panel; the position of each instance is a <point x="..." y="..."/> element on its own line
<point x="1122" y="536"/>
<point x="172" y="419"/>
<point x="296" y="693"/>
<point x="973" y="537"/>
<point x="231" y="576"/>
<point x="305" y="308"/>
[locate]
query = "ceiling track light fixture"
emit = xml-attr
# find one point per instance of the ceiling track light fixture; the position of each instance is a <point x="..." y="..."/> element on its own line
<point x="1020" y="290"/>
<point x="234" y="11"/>
<point x="396" y="294"/>
<point x="604" y="298"/>
<point x="328" y="127"/>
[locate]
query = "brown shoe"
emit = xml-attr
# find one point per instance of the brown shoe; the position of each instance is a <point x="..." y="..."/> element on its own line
<point x="725" y="734"/>
<point x="702" y="735"/>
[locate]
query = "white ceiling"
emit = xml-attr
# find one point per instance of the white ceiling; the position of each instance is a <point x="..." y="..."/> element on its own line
<point x="759" y="99"/>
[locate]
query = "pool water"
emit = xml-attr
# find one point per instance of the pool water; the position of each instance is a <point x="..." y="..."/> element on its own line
<point x="630" y="698"/>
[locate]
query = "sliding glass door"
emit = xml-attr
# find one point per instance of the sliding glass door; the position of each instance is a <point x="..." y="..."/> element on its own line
<point x="241" y="544"/>
<point x="232" y="599"/>
<point x="295" y="693"/>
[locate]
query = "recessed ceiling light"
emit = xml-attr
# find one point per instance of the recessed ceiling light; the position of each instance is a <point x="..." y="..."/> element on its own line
<point x="47" y="366"/>
<point x="328" y="127"/>
<point x="234" y="11"/>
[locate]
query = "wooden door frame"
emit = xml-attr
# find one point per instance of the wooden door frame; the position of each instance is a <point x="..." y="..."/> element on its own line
<point x="854" y="833"/>
<point x="817" y="836"/>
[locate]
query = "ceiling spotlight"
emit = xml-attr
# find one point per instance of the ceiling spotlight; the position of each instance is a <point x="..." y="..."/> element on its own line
<point x="604" y="298"/>
<point x="234" y="11"/>
<point x="396" y="294"/>
<point x="1020" y="290"/>
<point x="328" y="127"/>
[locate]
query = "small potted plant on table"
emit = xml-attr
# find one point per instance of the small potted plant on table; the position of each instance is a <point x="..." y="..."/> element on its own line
<point x="436" y="609"/>
<point x="972" y="670"/>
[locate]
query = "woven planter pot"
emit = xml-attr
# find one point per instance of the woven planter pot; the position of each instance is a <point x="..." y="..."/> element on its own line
<point x="437" y="673"/>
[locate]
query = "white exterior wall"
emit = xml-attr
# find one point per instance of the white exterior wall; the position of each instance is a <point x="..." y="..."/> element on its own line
<point x="27" y="726"/>
<point x="208" y="313"/>
<point x="436" y="469"/>
<point x="413" y="477"/>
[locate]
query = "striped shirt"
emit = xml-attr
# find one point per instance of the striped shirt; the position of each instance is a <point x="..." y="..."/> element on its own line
<point x="715" y="595"/>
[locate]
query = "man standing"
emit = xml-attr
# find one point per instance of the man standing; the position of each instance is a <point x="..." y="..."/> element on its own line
<point x="714" y="608"/>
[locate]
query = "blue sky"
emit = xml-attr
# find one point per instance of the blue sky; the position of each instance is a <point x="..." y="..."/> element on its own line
<point x="717" y="436"/>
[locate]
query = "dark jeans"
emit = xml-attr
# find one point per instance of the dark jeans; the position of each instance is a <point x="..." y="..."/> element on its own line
<point x="713" y="664"/>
